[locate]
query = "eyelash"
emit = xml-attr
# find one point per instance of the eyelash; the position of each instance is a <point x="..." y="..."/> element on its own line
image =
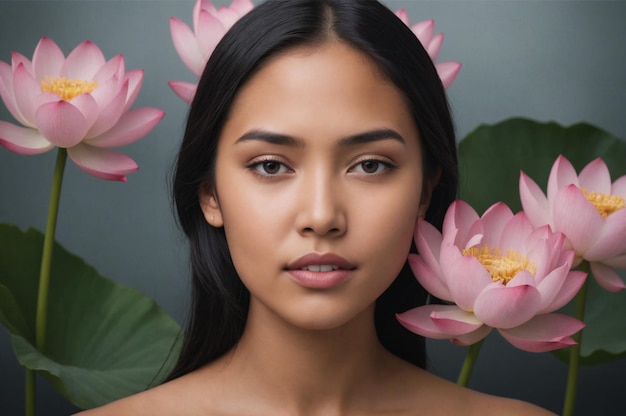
<point x="385" y="164"/>
<point x="256" y="167"/>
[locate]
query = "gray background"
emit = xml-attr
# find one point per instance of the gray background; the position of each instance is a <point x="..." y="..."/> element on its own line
<point x="549" y="60"/>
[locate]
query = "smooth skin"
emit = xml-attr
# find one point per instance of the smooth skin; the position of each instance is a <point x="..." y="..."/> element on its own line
<point x="319" y="155"/>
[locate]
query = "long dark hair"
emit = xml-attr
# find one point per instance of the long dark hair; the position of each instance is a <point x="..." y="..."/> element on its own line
<point x="220" y="301"/>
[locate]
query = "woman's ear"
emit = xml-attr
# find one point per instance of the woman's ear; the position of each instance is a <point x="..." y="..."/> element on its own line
<point x="210" y="207"/>
<point x="428" y="186"/>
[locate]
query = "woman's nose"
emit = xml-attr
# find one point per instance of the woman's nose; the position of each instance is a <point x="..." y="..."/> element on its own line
<point x="321" y="208"/>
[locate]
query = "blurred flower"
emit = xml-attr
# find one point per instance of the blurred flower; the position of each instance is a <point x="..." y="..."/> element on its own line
<point x="80" y="103"/>
<point x="425" y="32"/>
<point x="589" y="210"/>
<point x="194" y="48"/>
<point x="500" y="273"/>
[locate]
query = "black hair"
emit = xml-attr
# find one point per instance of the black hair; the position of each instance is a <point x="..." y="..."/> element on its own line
<point x="220" y="301"/>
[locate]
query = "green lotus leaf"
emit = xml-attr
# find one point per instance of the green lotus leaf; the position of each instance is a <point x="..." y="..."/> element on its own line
<point x="490" y="160"/>
<point x="104" y="341"/>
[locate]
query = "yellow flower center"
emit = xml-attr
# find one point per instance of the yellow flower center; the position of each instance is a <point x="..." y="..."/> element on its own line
<point x="67" y="89"/>
<point x="605" y="204"/>
<point x="501" y="268"/>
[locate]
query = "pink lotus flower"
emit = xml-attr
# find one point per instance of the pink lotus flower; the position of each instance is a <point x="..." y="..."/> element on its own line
<point x="80" y="103"/>
<point x="425" y="32"/>
<point x="500" y="273"/>
<point x="194" y="48"/>
<point x="589" y="210"/>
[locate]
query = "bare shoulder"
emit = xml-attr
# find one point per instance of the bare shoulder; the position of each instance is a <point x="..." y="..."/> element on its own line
<point x="144" y="403"/>
<point x="440" y="396"/>
<point x="484" y="404"/>
<point x="172" y="398"/>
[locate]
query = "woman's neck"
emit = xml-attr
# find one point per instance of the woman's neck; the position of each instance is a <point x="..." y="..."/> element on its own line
<point x="309" y="371"/>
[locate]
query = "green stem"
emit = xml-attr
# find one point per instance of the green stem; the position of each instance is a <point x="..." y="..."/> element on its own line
<point x="574" y="352"/>
<point x="44" y="273"/>
<point x="468" y="364"/>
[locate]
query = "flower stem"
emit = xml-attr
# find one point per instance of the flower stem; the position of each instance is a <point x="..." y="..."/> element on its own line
<point x="44" y="273"/>
<point x="468" y="364"/>
<point x="574" y="352"/>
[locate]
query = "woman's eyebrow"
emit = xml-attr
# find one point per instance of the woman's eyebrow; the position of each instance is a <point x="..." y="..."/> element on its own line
<point x="271" y="138"/>
<point x="348" y="141"/>
<point x="371" y="136"/>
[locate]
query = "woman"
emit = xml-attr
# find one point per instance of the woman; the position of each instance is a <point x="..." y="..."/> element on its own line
<point x="319" y="134"/>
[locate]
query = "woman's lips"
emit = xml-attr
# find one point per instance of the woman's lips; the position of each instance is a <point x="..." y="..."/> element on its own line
<point x="320" y="271"/>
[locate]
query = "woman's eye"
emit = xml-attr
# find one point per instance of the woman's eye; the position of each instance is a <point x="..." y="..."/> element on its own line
<point x="269" y="167"/>
<point x="371" y="167"/>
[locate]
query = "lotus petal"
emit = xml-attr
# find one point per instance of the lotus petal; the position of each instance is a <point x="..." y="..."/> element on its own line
<point x="132" y="126"/>
<point x="23" y="140"/>
<point x="534" y="202"/>
<point x="27" y="89"/>
<point x="509" y="239"/>
<point x="619" y="187"/>
<point x="571" y="285"/>
<point x="402" y="15"/>
<point x="424" y="31"/>
<point x="611" y="240"/>
<point x="508" y="306"/>
<point x="435" y="46"/>
<point x="607" y="278"/>
<point x="83" y="62"/>
<point x="570" y="205"/>
<point x="466" y="279"/>
<point x="617" y="261"/>
<point x="61" y="123"/>
<point x="428" y="241"/>
<point x="448" y="72"/>
<point x="87" y="106"/>
<point x="102" y="163"/>
<point x="242" y="6"/>
<point x="428" y="279"/>
<point x="495" y="219"/>
<point x="47" y="59"/>
<point x="595" y="177"/>
<point x="544" y="333"/>
<point x="197" y="8"/>
<point x="184" y="90"/>
<point x="472" y="337"/>
<point x="562" y="174"/>
<point x="186" y="46"/>
<point x="113" y="68"/>
<point x="552" y="284"/>
<point x="453" y="320"/>
<point x="7" y="94"/>
<point x="463" y="218"/>
<point x="419" y="321"/>
<point x="18" y="59"/>
<point x="109" y="114"/>
<point x="210" y="32"/>
<point x="135" y="80"/>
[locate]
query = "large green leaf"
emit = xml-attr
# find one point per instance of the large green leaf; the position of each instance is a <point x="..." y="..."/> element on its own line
<point x="490" y="160"/>
<point x="104" y="341"/>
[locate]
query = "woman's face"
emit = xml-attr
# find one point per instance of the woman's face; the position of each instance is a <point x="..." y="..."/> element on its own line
<point x="318" y="185"/>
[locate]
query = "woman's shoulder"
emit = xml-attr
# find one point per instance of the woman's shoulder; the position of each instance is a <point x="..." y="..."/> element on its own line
<point x="151" y="402"/>
<point x="441" y="396"/>
<point x="177" y="397"/>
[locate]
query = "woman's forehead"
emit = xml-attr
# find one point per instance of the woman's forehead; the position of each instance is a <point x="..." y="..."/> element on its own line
<point x="330" y="87"/>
